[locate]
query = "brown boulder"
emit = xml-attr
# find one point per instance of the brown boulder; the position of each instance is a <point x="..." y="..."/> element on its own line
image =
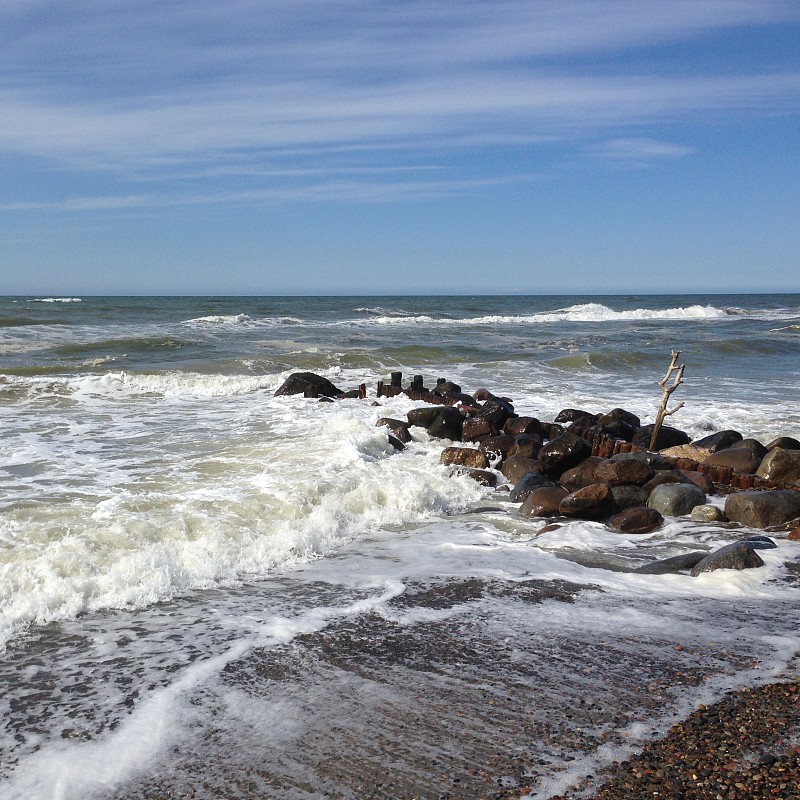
<point x="514" y="467"/>
<point x="786" y="442"/>
<point x="763" y="509"/>
<point x="591" y="502"/>
<point x="464" y="457"/>
<point x="475" y="429"/>
<point x="483" y="477"/>
<point x="637" y="519"/>
<point x="497" y="447"/>
<point x="398" y="428"/>
<point x="780" y="465"/>
<point x="543" y="502"/>
<point x="516" y="426"/>
<point x="527" y="445"/>
<point x="563" y="453"/>
<point x="582" y="475"/>
<point x="697" y="478"/>
<point x="739" y="459"/>
<point x="617" y="473"/>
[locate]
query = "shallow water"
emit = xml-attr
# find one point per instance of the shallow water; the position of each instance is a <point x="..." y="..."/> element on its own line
<point x="170" y="533"/>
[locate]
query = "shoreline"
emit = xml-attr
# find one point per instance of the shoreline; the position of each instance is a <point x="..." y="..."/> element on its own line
<point x="745" y="746"/>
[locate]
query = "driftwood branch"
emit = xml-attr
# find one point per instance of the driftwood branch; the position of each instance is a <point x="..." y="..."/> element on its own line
<point x="675" y="372"/>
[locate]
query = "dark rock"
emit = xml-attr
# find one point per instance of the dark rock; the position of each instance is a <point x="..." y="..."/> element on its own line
<point x="514" y="467"/>
<point x="617" y="473"/>
<point x="759" y="542"/>
<point x="780" y="465"/>
<point x="663" y="476"/>
<point x="721" y="440"/>
<point x="526" y="484"/>
<point x="582" y="475"/>
<point x="398" y="428"/>
<point x="447" y="387"/>
<point x="526" y="445"/>
<point x="396" y="443"/>
<point x="667" y="437"/>
<point x="516" y="426"/>
<point x="733" y="556"/>
<point x="497" y="447"/>
<point x="785" y="442"/>
<point x="443" y="422"/>
<point x="619" y="415"/>
<point x="655" y="460"/>
<point x="563" y="453"/>
<point x="476" y="429"/>
<point x="617" y="429"/>
<point x="752" y="446"/>
<point x="543" y="502"/>
<point x="464" y="457"/>
<point x="763" y="509"/>
<point x="575" y="414"/>
<point x="676" y="499"/>
<point x="308" y="382"/>
<point x="628" y="495"/>
<point x="483" y="476"/>
<point x="591" y="502"/>
<point x="496" y="412"/>
<point x="673" y="565"/>
<point x="738" y="459"/>
<point x="637" y="519"/>
<point x="552" y="430"/>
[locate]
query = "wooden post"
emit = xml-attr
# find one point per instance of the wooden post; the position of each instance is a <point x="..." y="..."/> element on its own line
<point x="397" y="379"/>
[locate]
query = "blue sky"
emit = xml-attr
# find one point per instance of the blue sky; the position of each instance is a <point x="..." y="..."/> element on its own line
<point x="443" y="146"/>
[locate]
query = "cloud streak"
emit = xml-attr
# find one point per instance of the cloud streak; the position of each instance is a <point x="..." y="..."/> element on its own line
<point x="232" y="88"/>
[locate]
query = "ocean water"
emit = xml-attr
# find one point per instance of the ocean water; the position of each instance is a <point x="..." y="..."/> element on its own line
<point x="194" y="573"/>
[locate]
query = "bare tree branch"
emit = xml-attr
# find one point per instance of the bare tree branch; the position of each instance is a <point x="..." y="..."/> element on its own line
<point x="675" y="372"/>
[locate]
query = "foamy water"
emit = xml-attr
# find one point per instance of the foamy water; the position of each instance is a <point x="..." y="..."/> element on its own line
<point x="164" y="517"/>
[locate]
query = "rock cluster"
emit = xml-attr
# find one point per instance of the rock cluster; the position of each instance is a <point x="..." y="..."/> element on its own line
<point x="595" y="466"/>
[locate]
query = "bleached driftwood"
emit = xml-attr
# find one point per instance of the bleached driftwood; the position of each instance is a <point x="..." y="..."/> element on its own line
<point x="675" y="372"/>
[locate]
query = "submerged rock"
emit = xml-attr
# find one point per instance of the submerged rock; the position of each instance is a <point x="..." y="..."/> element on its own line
<point x="464" y="457"/>
<point x="738" y="555"/>
<point x="673" y="565"/>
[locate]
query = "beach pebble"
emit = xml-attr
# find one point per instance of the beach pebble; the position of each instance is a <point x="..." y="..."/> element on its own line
<point x="707" y="513"/>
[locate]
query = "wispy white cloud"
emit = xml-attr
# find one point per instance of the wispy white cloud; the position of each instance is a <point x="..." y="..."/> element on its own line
<point x="204" y="90"/>
<point x="639" y="151"/>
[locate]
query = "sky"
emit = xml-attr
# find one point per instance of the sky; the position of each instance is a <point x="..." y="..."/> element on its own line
<point x="271" y="147"/>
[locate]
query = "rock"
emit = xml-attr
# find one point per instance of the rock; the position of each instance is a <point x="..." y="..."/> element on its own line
<point x="785" y="442"/>
<point x="444" y="422"/>
<point x="752" y="446"/>
<point x="721" y="440"/>
<point x="582" y="475"/>
<point x="763" y="509"/>
<point x="575" y="415"/>
<point x="780" y="465"/>
<point x="526" y="445"/>
<point x="655" y="460"/>
<point x="514" y="467"/>
<point x="619" y="415"/>
<point x="617" y="473"/>
<point x="667" y="437"/>
<point x="496" y="412"/>
<point x="708" y="513"/>
<point x="475" y="429"/>
<point x="464" y="457"/>
<point x="483" y="476"/>
<point x="543" y="502"/>
<point x="396" y="443"/>
<point x="794" y="534"/>
<point x="627" y="496"/>
<point x="676" y="499"/>
<point x="516" y="426"/>
<point x="591" y="502"/>
<point x="563" y="453"/>
<point x="700" y="480"/>
<point x="691" y="451"/>
<point x="759" y="542"/>
<point x="552" y="430"/>
<point x="497" y="447"/>
<point x="617" y="429"/>
<point x="739" y="460"/>
<point x="637" y="519"/>
<point x="307" y="383"/>
<point x="733" y="556"/>
<point x="664" y="476"/>
<point x="673" y="565"/>
<point x="526" y="484"/>
<point x="446" y="387"/>
<point x="398" y="428"/>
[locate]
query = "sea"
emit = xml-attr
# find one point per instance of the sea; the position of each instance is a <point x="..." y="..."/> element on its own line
<point x="209" y="591"/>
